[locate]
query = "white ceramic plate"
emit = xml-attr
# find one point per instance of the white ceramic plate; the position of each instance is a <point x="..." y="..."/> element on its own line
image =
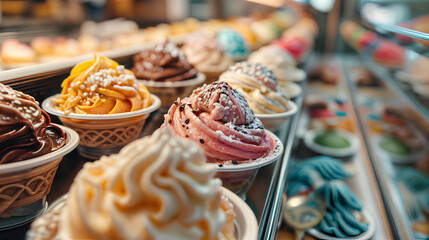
<point x="310" y="135"/>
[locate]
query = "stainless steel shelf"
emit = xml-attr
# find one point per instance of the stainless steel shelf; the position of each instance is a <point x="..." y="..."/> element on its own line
<point x="395" y="215"/>
<point x="268" y="226"/>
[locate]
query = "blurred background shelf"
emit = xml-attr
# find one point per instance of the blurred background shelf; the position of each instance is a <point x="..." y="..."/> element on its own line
<point x="419" y="103"/>
<point x="402" y="21"/>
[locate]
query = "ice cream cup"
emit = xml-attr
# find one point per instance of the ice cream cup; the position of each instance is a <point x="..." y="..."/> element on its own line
<point x="168" y="92"/>
<point x="413" y="157"/>
<point x="23" y="184"/>
<point x="103" y="134"/>
<point x="368" y="234"/>
<point x="274" y="121"/>
<point x="246" y="225"/>
<point x="239" y="177"/>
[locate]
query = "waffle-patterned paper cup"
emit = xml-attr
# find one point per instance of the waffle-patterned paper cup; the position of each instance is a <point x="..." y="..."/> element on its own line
<point x="239" y="178"/>
<point x="168" y="92"/>
<point x="274" y="121"/>
<point x="246" y="225"/>
<point x="103" y="134"/>
<point x="25" y="182"/>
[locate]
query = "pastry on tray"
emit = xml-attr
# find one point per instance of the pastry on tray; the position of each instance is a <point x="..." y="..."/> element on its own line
<point x="16" y="54"/>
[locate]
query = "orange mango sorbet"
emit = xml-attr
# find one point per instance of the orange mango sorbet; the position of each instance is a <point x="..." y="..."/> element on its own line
<point x="101" y="86"/>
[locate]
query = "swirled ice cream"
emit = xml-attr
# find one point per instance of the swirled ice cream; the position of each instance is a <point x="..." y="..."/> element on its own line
<point x="258" y="85"/>
<point x="280" y="62"/>
<point x="343" y="215"/>
<point x="25" y="129"/>
<point x="233" y="43"/>
<point x="218" y="118"/>
<point x="101" y="86"/>
<point x="158" y="187"/>
<point x="325" y="175"/>
<point x="165" y="62"/>
<point x="204" y="52"/>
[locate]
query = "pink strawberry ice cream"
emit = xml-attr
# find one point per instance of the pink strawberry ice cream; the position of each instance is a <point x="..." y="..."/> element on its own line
<point x="218" y="118"/>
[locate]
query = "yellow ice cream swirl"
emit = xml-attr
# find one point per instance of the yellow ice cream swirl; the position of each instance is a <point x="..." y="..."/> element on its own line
<point x="158" y="187"/>
<point x="101" y="86"/>
<point x="258" y="85"/>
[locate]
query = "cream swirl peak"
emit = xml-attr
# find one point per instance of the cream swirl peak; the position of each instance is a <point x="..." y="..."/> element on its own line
<point x="218" y="118"/>
<point x="257" y="71"/>
<point x="158" y="187"/>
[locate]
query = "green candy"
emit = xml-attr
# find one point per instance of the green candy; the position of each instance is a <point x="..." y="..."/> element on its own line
<point x="332" y="139"/>
<point x="394" y="145"/>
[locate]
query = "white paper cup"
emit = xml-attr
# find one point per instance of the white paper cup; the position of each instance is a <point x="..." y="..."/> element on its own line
<point x="168" y="92"/>
<point x="103" y="134"/>
<point x="363" y="236"/>
<point x="310" y="135"/>
<point x="274" y="121"/>
<point x="239" y="178"/>
<point x="246" y="225"/>
<point x="25" y="182"/>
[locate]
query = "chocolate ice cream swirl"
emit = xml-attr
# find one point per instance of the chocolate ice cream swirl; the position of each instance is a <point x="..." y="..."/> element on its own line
<point x="163" y="63"/>
<point x="25" y="129"/>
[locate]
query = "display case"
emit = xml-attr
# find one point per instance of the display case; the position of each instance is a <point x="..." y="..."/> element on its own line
<point x="366" y="113"/>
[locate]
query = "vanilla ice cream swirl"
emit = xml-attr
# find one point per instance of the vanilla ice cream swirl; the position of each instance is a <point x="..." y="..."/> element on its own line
<point x="258" y="85"/>
<point x="158" y="187"/>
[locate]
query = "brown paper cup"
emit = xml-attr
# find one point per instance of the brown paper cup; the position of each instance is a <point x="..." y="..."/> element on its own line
<point x="168" y="92"/>
<point x="25" y="182"/>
